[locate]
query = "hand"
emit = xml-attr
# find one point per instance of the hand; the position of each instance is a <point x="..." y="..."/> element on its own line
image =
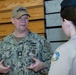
<point x="4" y="69"/>
<point x="38" y="65"/>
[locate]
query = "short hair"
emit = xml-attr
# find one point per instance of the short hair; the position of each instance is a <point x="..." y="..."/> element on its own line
<point x="69" y="13"/>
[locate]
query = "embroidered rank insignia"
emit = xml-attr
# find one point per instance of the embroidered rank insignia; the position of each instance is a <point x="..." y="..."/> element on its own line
<point x="56" y="56"/>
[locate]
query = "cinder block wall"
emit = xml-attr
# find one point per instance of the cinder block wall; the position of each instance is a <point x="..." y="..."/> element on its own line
<point x="54" y="32"/>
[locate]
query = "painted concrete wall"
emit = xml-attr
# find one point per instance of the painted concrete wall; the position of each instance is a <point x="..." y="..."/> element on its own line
<point x="54" y="32"/>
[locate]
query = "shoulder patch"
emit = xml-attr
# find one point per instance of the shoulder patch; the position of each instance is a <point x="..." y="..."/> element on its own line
<point x="56" y="56"/>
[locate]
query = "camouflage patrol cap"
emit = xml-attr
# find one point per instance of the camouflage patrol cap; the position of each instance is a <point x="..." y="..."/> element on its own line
<point x="19" y="11"/>
<point x="66" y="3"/>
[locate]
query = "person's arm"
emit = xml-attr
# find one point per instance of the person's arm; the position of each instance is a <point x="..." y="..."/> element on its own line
<point x="46" y="54"/>
<point x="42" y="63"/>
<point x="3" y="69"/>
<point x="37" y="65"/>
<point x="60" y="63"/>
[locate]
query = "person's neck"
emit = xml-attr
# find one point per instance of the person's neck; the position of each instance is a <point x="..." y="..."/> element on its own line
<point x="20" y="34"/>
<point x="74" y="33"/>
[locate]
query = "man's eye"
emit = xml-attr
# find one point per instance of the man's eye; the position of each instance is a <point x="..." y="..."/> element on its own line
<point x="18" y="18"/>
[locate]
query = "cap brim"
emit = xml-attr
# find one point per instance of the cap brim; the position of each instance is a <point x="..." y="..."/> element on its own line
<point x="20" y="14"/>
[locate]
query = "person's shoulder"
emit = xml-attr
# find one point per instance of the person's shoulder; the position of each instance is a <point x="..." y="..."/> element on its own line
<point x="60" y="51"/>
<point x="0" y="42"/>
<point x="7" y="38"/>
<point x="63" y="47"/>
<point x="35" y="35"/>
<point x="67" y="45"/>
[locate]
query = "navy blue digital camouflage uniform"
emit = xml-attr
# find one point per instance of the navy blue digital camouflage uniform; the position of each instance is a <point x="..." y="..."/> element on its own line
<point x="18" y="54"/>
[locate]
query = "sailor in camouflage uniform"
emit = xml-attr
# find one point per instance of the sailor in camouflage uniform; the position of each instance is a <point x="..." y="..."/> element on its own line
<point x="24" y="52"/>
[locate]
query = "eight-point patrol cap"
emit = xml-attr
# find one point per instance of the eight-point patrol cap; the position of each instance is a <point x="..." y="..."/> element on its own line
<point x="18" y="11"/>
<point x="66" y="3"/>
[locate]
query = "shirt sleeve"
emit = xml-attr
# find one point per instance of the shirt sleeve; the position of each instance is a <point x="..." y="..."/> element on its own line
<point x="60" y="62"/>
<point x="1" y="51"/>
<point x="46" y="57"/>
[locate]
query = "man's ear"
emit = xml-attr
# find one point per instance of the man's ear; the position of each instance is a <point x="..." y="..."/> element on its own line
<point x="12" y="20"/>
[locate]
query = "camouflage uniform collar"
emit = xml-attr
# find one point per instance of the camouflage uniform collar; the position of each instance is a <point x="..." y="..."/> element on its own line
<point x="11" y="39"/>
<point x="26" y="37"/>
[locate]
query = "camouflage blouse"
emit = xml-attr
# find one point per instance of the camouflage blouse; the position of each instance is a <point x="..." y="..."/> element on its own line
<point x="18" y="54"/>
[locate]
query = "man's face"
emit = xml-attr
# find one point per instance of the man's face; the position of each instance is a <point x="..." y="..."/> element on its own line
<point x="21" y="24"/>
